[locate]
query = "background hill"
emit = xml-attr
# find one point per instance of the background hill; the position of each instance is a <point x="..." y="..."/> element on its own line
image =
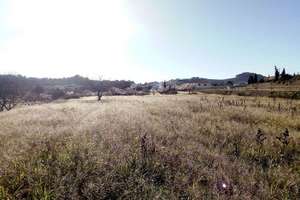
<point x="238" y="79"/>
<point x="82" y="83"/>
<point x="77" y="86"/>
<point x="68" y="84"/>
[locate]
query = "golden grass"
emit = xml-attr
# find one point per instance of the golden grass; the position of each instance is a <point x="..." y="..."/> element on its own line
<point x="151" y="147"/>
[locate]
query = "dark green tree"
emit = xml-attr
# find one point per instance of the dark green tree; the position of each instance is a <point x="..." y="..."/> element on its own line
<point x="277" y="74"/>
<point x="250" y="80"/>
<point x="255" y="79"/>
<point x="283" y="73"/>
<point x="165" y="84"/>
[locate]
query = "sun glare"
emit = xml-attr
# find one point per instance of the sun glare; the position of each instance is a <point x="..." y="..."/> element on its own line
<point x="77" y="35"/>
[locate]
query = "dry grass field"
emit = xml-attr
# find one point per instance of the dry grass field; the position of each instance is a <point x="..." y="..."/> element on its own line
<point x="152" y="147"/>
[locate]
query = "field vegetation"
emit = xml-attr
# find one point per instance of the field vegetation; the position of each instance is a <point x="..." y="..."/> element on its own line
<point x="202" y="146"/>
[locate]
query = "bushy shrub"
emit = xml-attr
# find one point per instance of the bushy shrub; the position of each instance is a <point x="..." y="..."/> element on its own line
<point x="57" y="94"/>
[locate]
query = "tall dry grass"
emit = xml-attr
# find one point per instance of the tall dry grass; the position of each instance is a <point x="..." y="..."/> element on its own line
<point x="152" y="147"/>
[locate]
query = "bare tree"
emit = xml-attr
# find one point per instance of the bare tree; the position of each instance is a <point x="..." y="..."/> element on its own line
<point x="9" y="93"/>
<point x="191" y="88"/>
<point x="99" y="89"/>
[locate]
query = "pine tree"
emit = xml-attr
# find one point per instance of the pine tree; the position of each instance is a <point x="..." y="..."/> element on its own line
<point x="165" y="84"/>
<point x="283" y="73"/>
<point x="255" y="79"/>
<point x="250" y="80"/>
<point x="277" y="74"/>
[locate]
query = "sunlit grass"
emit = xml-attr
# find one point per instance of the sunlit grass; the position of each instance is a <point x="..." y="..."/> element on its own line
<point x="152" y="147"/>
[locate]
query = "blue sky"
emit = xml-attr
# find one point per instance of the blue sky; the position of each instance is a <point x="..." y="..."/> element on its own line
<point x="146" y="40"/>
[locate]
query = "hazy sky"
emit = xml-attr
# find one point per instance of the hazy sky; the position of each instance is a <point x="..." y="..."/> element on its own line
<point x="147" y="40"/>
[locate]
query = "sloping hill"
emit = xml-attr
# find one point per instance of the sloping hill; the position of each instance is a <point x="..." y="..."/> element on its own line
<point x="238" y="79"/>
<point x="244" y="77"/>
<point x="70" y="83"/>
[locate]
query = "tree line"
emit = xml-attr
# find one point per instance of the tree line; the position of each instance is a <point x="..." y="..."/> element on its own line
<point x="15" y="88"/>
<point x="283" y="76"/>
<point x="278" y="76"/>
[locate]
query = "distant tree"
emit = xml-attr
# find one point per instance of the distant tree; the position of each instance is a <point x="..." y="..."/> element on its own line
<point x="168" y="88"/>
<point x="57" y="93"/>
<point x="9" y="92"/>
<point x="229" y="83"/>
<point x="38" y="90"/>
<point x="277" y="74"/>
<point x="283" y="73"/>
<point x="255" y="78"/>
<point x="285" y="76"/>
<point x="139" y="88"/>
<point x="165" y="84"/>
<point x="99" y="89"/>
<point x="250" y="80"/>
<point x="191" y="88"/>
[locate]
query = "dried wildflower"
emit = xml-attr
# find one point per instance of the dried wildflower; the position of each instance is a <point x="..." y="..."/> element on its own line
<point x="147" y="146"/>
<point x="237" y="150"/>
<point x="284" y="137"/>
<point x="260" y="137"/>
<point x="144" y="145"/>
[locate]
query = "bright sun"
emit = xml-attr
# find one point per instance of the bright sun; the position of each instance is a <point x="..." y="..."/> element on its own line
<point x="74" y="34"/>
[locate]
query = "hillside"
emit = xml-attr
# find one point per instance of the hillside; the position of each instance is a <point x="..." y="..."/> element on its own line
<point x="81" y="86"/>
<point x="78" y="81"/>
<point x="75" y="83"/>
<point x="238" y="79"/>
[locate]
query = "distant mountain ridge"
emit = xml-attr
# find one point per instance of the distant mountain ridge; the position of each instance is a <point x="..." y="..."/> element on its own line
<point x="238" y="79"/>
<point x="244" y="77"/>
<point x="69" y="84"/>
<point x="78" y="82"/>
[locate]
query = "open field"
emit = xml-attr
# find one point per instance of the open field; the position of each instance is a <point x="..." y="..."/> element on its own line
<point x="152" y="147"/>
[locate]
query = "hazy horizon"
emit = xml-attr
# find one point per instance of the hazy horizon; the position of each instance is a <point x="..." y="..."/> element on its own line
<point x="143" y="40"/>
<point x="110" y="79"/>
